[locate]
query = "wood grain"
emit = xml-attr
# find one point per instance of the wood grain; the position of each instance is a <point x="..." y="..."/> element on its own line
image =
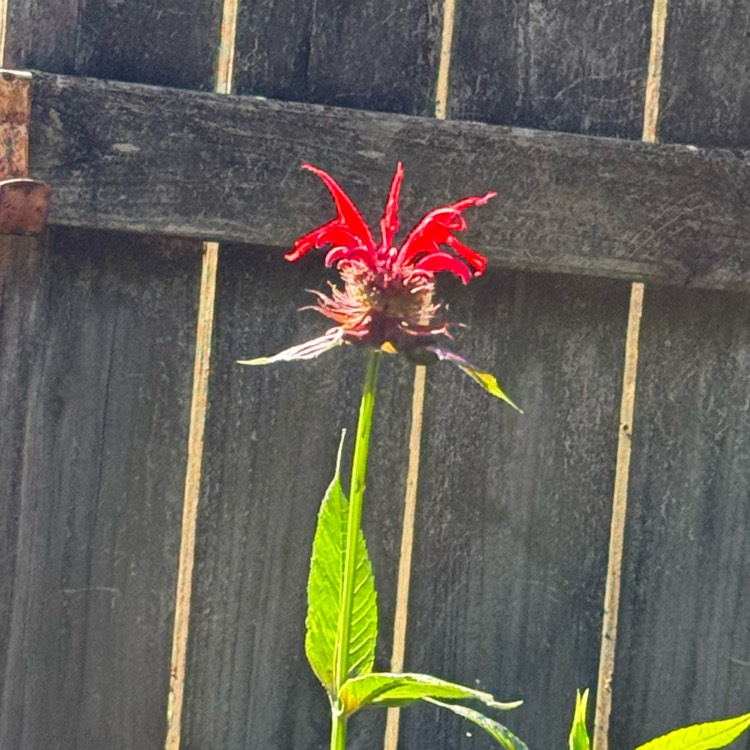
<point x="707" y="74"/>
<point x="102" y="448"/>
<point x="502" y="602"/>
<point x="577" y="67"/>
<point x="162" y="42"/>
<point x="369" y="54"/>
<point x="306" y="52"/>
<point x="684" y="640"/>
<point x="97" y="336"/>
<point x="189" y="163"/>
<point x="684" y="635"/>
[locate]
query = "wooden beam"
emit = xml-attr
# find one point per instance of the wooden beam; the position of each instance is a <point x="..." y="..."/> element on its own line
<point x="177" y="162"/>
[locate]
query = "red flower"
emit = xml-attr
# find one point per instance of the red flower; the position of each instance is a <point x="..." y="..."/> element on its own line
<point x="387" y="300"/>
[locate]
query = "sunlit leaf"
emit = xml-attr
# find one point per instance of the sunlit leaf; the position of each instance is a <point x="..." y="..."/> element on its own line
<point x="708" y="736"/>
<point x="485" y="379"/>
<point x="324" y="591"/>
<point x="579" y="734"/>
<point x="390" y="689"/>
<point x="494" y="728"/>
<point x="490" y="384"/>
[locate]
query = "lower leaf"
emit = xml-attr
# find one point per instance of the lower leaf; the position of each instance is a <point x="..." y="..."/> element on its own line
<point x="391" y="689"/>
<point x="494" y="728"/>
<point x="324" y="591"/>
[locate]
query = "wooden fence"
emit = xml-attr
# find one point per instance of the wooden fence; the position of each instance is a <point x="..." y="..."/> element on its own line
<point x="158" y="501"/>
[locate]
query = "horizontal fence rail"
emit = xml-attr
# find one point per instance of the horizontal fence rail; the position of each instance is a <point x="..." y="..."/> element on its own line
<point x="184" y="163"/>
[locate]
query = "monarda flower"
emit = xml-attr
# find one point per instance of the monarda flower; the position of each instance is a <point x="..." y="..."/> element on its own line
<point x="387" y="301"/>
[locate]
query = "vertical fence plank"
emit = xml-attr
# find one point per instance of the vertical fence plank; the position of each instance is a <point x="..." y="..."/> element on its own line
<point x="577" y="67"/>
<point x="684" y="644"/>
<point x="684" y="640"/>
<point x="271" y="442"/>
<point x="164" y="43"/>
<point x="96" y="457"/>
<point x="95" y="363"/>
<point x="706" y="82"/>
<point x="223" y="84"/>
<point x="369" y="54"/>
<point x="272" y="434"/>
<point x="511" y="546"/>
<point x="613" y="589"/>
<point x="509" y="573"/>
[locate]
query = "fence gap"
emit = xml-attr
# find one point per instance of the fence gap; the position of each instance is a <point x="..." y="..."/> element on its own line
<point x="198" y="410"/>
<point x="446" y="44"/>
<point x="627" y="409"/>
<point x="400" y="620"/>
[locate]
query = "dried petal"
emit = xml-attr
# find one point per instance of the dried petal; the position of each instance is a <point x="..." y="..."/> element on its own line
<point x="309" y="350"/>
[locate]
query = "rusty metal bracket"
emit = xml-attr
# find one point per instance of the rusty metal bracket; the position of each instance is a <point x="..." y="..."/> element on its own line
<point x="24" y="202"/>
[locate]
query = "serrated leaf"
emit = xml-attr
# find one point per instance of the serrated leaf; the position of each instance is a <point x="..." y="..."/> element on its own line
<point x="579" y="733"/>
<point x="709" y="736"/>
<point x="494" y="728"/>
<point x="324" y="591"/>
<point x="391" y="689"/>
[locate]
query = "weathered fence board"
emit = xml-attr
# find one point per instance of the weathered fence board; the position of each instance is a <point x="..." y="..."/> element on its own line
<point x="169" y="43"/>
<point x="98" y="451"/>
<point x="684" y="644"/>
<point x="706" y="89"/>
<point x="155" y="160"/>
<point x="376" y="54"/>
<point x="684" y="650"/>
<point x="271" y="445"/>
<point x="514" y="510"/>
<point x="248" y="682"/>
<point x="97" y="335"/>
<point x="520" y="588"/>
<point x="571" y="66"/>
<point x="96" y="339"/>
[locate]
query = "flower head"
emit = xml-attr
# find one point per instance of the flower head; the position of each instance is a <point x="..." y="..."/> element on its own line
<point x="388" y="296"/>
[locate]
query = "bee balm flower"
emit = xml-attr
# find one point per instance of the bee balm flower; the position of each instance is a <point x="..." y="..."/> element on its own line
<point x="388" y="297"/>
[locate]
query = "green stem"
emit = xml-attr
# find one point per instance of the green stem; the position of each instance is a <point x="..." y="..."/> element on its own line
<point x="356" y="494"/>
<point x="338" y="730"/>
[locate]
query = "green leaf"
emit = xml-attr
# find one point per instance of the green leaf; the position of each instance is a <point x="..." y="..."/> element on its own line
<point x="701" y="736"/>
<point x="324" y="591"/>
<point x="390" y="689"/>
<point x="494" y="728"/>
<point x="489" y="383"/>
<point x="579" y="734"/>
<point x="485" y="379"/>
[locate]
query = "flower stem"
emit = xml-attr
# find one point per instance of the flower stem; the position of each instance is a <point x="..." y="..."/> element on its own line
<point x="356" y="494"/>
<point x="338" y="730"/>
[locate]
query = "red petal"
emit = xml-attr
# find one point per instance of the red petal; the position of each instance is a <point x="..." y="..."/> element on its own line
<point x="348" y="228"/>
<point x="389" y="222"/>
<point x="332" y="233"/>
<point x="477" y="261"/>
<point x="437" y="262"/>
<point x="339" y="253"/>
<point x="437" y="228"/>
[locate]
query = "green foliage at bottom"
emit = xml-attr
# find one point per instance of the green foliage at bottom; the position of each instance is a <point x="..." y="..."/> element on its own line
<point x="709" y="736"/>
